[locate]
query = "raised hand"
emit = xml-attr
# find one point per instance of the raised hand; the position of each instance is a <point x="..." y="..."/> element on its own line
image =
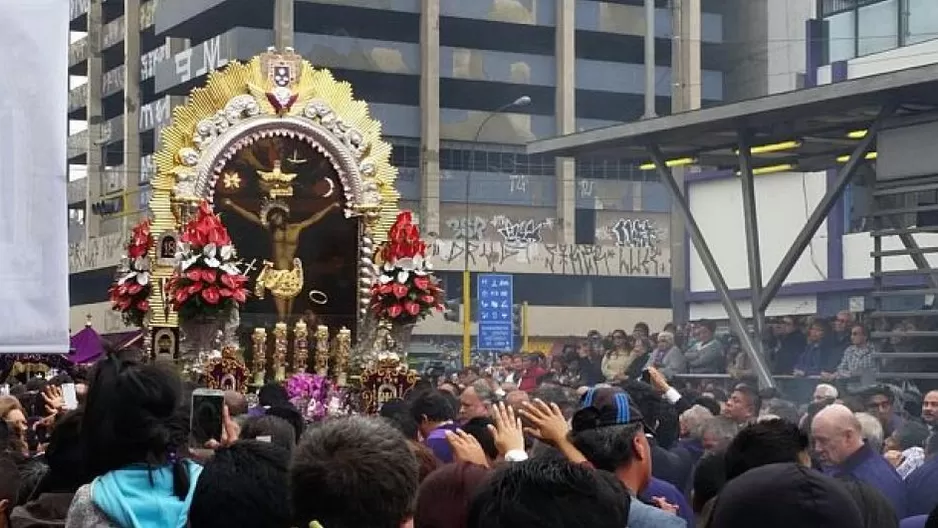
<point x="548" y="422"/>
<point x="466" y="448"/>
<point x="507" y="431"/>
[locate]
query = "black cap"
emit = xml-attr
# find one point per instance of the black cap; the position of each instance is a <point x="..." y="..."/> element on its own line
<point x="606" y="407"/>
<point x="785" y="495"/>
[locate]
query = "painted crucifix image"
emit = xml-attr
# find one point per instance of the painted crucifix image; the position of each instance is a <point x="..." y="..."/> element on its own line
<point x="282" y="202"/>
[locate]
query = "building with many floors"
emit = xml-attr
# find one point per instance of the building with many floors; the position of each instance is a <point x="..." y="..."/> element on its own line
<point x="588" y="241"/>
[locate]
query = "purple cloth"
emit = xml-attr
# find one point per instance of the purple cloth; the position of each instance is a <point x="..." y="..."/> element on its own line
<point x="438" y="443"/>
<point x="660" y="488"/>
<point x="86" y="346"/>
<point x="914" y="522"/>
<point x="866" y="465"/>
<point x="920" y="488"/>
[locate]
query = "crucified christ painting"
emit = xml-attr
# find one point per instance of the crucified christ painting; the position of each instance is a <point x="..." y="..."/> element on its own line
<point x="282" y="202"/>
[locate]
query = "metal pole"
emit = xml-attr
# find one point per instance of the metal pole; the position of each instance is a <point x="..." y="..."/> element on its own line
<point x="649" y="59"/>
<point x="824" y="208"/>
<point x="713" y="271"/>
<point x="466" y="275"/>
<point x="752" y="236"/>
<point x="524" y="326"/>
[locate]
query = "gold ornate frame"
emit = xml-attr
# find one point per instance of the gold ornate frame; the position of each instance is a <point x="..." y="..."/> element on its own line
<point x="275" y="94"/>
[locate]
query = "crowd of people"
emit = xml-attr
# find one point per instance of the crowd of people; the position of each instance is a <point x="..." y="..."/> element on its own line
<point x="586" y="439"/>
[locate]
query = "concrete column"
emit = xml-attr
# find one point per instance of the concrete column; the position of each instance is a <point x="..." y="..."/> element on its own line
<point x="565" y="58"/>
<point x="430" y="116"/>
<point x="94" y="155"/>
<point x="132" y="151"/>
<point x="283" y="24"/>
<point x="685" y="96"/>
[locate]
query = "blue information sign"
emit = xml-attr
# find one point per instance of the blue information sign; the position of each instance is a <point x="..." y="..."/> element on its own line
<point x="496" y="296"/>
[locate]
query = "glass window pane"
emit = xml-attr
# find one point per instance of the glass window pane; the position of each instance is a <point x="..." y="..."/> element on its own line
<point x="841" y="43"/>
<point x="922" y="21"/>
<point x="878" y="27"/>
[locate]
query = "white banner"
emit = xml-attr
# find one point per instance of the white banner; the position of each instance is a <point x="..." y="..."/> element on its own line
<point x="33" y="218"/>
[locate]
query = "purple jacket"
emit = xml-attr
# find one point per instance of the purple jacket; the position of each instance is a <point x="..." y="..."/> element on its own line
<point x="438" y="443"/>
<point x="869" y="466"/>
<point x="660" y="488"/>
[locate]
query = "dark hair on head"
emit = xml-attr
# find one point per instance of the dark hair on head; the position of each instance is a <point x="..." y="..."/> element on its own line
<point x="353" y="472"/>
<point x="443" y="498"/>
<point x="132" y="416"/>
<point x="244" y="484"/>
<point x="281" y="432"/>
<point x="397" y="411"/>
<point x="752" y="396"/>
<point x="709" y="478"/>
<point x="478" y="428"/>
<point x="643" y="327"/>
<point x="292" y="416"/>
<point x="550" y="493"/>
<point x="880" y="390"/>
<point x="912" y="434"/>
<point x="822" y="324"/>
<point x="272" y="395"/>
<point x="65" y="457"/>
<point x="709" y="403"/>
<point x="708" y="324"/>
<point x="764" y="443"/>
<point x="648" y="401"/>
<point x="608" y="448"/>
<point x="432" y="405"/>
<point x="718" y="394"/>
<point x="875" y="508"/>
<point x="427" y="461"/>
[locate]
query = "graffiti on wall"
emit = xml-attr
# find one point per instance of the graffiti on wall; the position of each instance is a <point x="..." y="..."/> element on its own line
<point x="522" y="232"/>
<point x="631" y="233"/>
<point x="472" y="228"/>
<point x="499" y="227"/>
<point x="565" y="259"/>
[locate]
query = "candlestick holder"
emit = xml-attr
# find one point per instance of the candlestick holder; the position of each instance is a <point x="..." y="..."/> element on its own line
<point x="322" y="350"/>
<point x="300" y="346"/>
<point x="342" y="350"/>
<point x="280" y="351"/>
<point x="259" y="359"/>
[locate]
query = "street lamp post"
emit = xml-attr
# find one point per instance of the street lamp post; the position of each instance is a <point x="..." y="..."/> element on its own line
<point x="524" y="100"/>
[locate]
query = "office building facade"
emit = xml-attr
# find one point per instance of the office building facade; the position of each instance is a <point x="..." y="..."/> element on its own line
<point x="588" y="241"/>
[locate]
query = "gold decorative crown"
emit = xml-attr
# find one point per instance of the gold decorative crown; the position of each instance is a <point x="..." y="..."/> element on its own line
<point x="270" y="205"/>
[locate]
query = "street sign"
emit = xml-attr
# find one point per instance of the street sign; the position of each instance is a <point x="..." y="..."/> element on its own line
<point x="496" y="295"/>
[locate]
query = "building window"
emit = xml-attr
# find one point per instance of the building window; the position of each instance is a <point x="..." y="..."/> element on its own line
<point x="921" y="21"/>
<point x="878" y="27"/>
<point x="842" y="36"/>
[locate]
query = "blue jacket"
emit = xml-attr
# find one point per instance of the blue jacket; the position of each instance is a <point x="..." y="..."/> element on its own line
<point x="920" y="488"/>
<point x="811" y="361"/>
<point x="869" y="466"/>
<point x="142" y="497"/>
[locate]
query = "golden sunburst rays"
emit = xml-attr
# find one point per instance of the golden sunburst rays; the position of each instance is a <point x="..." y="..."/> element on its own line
<point x="249" y="78"/>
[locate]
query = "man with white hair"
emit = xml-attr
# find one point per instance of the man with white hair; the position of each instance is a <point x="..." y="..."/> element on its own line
<point x="838" y="441"/>
<point x="823" y="391"/>
<point x="692" y="424"/>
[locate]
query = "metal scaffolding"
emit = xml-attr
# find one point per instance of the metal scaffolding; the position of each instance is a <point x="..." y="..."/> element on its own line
<point x="817" y="120"/>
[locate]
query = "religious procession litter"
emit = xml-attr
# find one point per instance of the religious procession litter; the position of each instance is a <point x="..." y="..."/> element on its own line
<point x="276" y="284"/>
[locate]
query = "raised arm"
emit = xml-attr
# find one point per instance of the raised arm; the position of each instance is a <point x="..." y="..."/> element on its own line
<point x="247" y="215"/>
<point x="318" y="216"/>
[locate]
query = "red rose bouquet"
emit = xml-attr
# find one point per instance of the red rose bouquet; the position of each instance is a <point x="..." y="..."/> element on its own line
<point x="406" y="290"/>
<point x="130" y="292"/>
<point x="207" y="281"/>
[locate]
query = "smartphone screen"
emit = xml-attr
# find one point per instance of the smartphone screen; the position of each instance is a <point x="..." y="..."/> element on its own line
<point x="206" y="416"/>
<point x="70" y="396"/>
